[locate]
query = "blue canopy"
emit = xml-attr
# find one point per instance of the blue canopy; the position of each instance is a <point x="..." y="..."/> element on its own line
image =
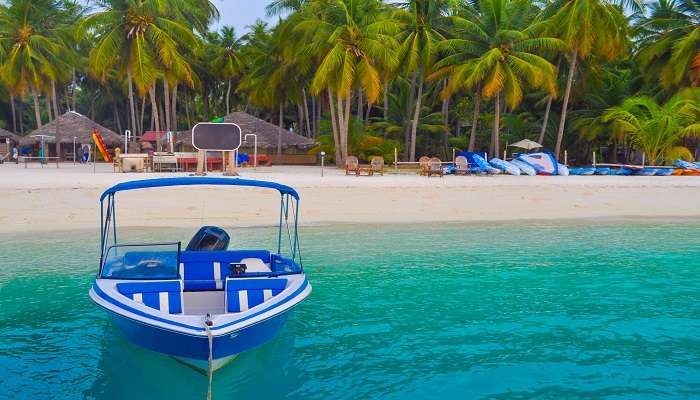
<point x="198" y="180"/>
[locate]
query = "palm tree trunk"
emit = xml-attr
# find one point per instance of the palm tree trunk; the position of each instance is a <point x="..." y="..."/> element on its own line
<point x="53" y="98"/>
<point x="313" y="116"/>
<point x="279" y="130"/>
<point x="540" y="140"/>
<point x="334" y="127"/>
<point x="446" y="122"/>
<point x="359" y="104"/>
<point x="37" y="110"/>
<point x="187" y="108"/>
<point x="115" y="114"/>
<point x="20" y="112"/>
<point x="386" y="100"/>
<point x="545" y="121"/>
<point x="495" y="146"/>
<point x="154" y="109"/>
<point x="166" y="104"/>
<point x="306" y="114"/>
<point x="48" y="107"/>
<point x="346" y="123"/>
<point x="228" y="97"/>
<point x="143" y="114"/>
<point x="416" y="116"/>
<point x="567" y="93"/>
<point x="14" y="113"/>
<point x="341" y="126"/>
<point x="75" y="85"/>
<point x="173" y="111"/>
<point x="475" y="118"/>
<point x="409" y="109"/>
<point x="132" y="106"/>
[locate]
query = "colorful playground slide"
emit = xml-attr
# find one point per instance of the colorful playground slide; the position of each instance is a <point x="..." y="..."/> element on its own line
<point x="100" y="144"/>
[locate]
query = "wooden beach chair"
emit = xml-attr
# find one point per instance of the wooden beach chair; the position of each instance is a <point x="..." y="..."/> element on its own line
<point x="352" y="165"/>
<point x="377" y="164"/>
<point x="424" y="164"/>
<point x="461" y="166"/>
<point x="435" y="167"/>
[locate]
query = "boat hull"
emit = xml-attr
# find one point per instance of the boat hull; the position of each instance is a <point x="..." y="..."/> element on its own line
<point x="193" y="347"/>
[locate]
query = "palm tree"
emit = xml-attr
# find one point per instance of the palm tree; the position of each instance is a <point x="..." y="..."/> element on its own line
<point x="352" y="39"/>
<point x="658" y="129"/>
<point x="272" y="80"/>
<point x="423" y="26"/>
<point x="33" y="50"/>
<point x="228" y="62"/>
<point x="588" y="27"/>
<point x="670" y="42"/>
<point x="497" y="54"/>
<point x="141" y="39"/>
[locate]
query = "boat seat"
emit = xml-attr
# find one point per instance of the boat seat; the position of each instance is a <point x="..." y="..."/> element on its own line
<point x="207" y="270"/>
<point x="244" y="294"/>
<point x="165" y="296"/>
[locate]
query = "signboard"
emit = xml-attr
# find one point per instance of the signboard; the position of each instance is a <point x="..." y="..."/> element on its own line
<point x="216" y="136"/>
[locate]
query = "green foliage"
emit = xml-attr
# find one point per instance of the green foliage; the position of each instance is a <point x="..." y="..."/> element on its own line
<point x="658" y="129"/>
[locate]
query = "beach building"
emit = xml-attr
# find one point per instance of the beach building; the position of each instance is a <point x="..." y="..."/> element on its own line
<point x="295" y="147"/>
<point x="69" y="128"/>
<point x="7" y="141"/>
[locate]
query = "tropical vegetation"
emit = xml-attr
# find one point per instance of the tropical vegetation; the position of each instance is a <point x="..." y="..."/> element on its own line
<point x="367" y="77"/>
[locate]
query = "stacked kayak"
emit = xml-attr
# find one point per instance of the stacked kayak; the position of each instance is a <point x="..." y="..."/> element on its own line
<point x="525" y="168"/>
<point x="543" y="163"/>
<point x="582" y="171"/>
<point x="505" y="166"/>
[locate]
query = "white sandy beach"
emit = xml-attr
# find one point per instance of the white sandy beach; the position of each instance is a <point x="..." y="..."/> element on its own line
<point x="67" y="198"/>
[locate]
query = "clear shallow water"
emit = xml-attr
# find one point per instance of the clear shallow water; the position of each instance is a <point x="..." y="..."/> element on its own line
<point x="425" y="312"/>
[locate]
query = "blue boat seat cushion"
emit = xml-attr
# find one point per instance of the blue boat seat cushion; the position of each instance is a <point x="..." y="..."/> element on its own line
<point x="207" y="270"/>
<point x="165" y="296"/>
<point x="244" y="294"/>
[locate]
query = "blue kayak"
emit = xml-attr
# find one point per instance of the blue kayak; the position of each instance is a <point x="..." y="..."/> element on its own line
<point x="602" y="171"/>
<point x="505" y="166"/>
<point x="525" y="168"/>
<point x="582" y="171"/>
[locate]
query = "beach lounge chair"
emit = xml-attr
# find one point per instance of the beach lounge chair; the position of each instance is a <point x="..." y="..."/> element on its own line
<point x="423" y="163"/>
<point x="377" y="164"/>
<point x="352" y="165"/>
<point x="435" y="167"/>
<point x="461" y="166"/>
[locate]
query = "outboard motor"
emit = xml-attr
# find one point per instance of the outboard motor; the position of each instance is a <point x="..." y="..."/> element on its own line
<point x="209" y="238"/>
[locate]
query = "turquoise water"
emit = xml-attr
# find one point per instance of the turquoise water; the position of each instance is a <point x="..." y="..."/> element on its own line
<point x="557" y="311"/>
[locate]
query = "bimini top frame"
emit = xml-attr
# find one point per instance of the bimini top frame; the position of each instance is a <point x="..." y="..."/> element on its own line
<point x="163" y="182"/>
<point x="108" y="214"/>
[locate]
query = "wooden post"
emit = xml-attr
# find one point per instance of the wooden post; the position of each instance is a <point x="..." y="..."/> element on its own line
<point x="566" y="158"/>
<point x="594" y="163"/>
<point x="230" y="169"/>
<point x="200" y="163"/>
<point x="644" y="158"/>
<point x="396" y="158"/>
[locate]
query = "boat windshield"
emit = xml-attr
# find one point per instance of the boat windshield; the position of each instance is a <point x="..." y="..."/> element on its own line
<point x="141" y="261"/>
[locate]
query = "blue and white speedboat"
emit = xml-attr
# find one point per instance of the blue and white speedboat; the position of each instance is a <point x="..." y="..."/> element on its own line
<point x="206" y="303"/>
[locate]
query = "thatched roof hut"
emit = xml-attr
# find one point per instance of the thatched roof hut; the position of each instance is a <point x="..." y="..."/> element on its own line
<point x="266" y="132"/>
<point x="70" y="125"/>
<point x="5" y="134"/>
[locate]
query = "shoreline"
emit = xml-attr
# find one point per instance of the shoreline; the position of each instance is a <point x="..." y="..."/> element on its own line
<point x="66" y="198"/>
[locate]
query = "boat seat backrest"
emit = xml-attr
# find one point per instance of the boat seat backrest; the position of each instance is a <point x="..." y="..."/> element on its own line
<point x="165" y="296"/>
<point x="207" y="270"/>
<point x="244" y="294"/>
